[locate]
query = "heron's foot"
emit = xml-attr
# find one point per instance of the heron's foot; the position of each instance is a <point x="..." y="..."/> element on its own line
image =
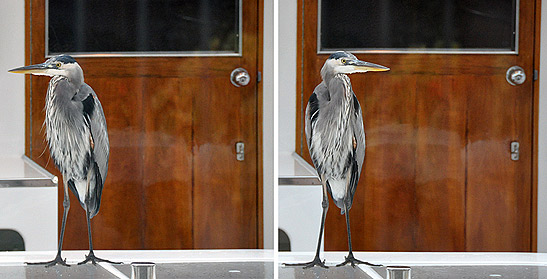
<point x="57" y="261"/>
<point x="316" y="262"/>
<point x="353" y="261"/>
<point x="94" y="259"/>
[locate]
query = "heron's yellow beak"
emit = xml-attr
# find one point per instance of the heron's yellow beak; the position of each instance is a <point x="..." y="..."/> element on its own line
<point x="367" y="66"/>
<point x="32" y="69"/>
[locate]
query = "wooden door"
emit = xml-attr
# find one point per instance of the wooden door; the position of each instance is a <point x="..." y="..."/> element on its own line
<point x="173" y="180"/>
<point x="438" y="174"/>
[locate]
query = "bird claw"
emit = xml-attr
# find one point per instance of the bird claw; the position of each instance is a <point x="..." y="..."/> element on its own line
<point x="94" y="259"/>
<point x="353" y="261"/>
<point x="316" y="262"/>
<point x="57" y="261"/>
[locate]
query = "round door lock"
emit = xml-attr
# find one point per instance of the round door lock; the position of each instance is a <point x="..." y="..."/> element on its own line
<point x="240" y="77"/>
<point x="515" y="75"/>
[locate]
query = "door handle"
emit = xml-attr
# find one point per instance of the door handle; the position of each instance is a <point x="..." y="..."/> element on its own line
<point x="515" y="75"/>
<point x="240" y="77"/>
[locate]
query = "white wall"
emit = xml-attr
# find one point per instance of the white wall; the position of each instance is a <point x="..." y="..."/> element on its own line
<point x="12" y="92"/>
<point x="287" y="75"/>
<point x="268" y="125"/>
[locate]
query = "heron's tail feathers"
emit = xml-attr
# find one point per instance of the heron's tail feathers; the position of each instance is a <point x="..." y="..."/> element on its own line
<point x="341" y="205"/>
<point x="79" y="188"/>
<point x="96" y="184"/>
<point x="338" y="194"/>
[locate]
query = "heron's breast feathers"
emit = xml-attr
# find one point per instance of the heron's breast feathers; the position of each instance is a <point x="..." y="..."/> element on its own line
<point x="331" y="152"/>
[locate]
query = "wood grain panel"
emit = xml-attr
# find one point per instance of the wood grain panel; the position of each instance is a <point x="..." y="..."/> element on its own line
<point x="440" y="165"/>
<point x="119" y="98"/>
<point x="499" y="192"/>
<point x="383" y="210"/>
<point x="225" y="189"/>
<point x="39" y="149"/>
<point x="535" y="115"/>
<point x="390" y="168"/>
<point x="167" y="167"/>
<point x="308" y="68"/>
<point x="118" y="225"/>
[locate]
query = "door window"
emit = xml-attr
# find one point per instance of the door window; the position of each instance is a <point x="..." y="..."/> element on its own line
<point x="143" y="27"/>
<point x="483" y="26"/>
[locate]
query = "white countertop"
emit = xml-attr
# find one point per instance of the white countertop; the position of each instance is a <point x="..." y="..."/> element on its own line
<point x="167" y="264"/>
<point x="423" y="258"/>
<point x="293" y="170"/>
<point x="23" y="172"/>
<point x="18" y="258"/>
<point x="419" y="265"/>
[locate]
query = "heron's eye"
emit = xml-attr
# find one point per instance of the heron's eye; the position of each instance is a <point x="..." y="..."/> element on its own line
<point x="343" y="61"/>
<point x="58" y="64"/>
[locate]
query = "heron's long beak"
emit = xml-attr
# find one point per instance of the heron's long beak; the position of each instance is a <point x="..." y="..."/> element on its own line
<point x="367" y="66"/>
<point x="32" y="69"/>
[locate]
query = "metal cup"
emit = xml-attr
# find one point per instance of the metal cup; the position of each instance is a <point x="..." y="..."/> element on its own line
<point x="143" y="270"/>
<point x="398" y="272"/>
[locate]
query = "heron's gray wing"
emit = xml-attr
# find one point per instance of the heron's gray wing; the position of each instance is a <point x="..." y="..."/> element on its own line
<point x="312" y="115"/>
<point x="356" y="122"/>
<point x="94" y="116"/>
<point x="359" y="134"/>
<point x="93" y="110"/>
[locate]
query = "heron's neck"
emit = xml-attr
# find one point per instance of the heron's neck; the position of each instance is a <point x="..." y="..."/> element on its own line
<point x="341" y="96"/>
<point x="75" y="75"/>
<point x="76" y="79"/>
<point x="54" y="95"/>
<point x="345" y="95"/>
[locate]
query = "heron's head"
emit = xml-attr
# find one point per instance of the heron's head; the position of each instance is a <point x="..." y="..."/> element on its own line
<point x="60" y="65"/>
<point x="343" y="62"/>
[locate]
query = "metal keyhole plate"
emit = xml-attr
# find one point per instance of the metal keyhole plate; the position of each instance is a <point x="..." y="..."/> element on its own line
<point x="240" y="77"/>
<point x="515" y="75"/>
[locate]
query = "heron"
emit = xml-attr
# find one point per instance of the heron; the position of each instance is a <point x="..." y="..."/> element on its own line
<point x="77" y="138"/>
<point x="336" y="139"/>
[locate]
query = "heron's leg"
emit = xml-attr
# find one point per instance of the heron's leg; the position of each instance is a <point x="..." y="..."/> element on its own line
<point x="91" y="256"/>
<point x="66" y="206"/>
<point x="316" y="260"/>
<point x="350" y="258"/>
